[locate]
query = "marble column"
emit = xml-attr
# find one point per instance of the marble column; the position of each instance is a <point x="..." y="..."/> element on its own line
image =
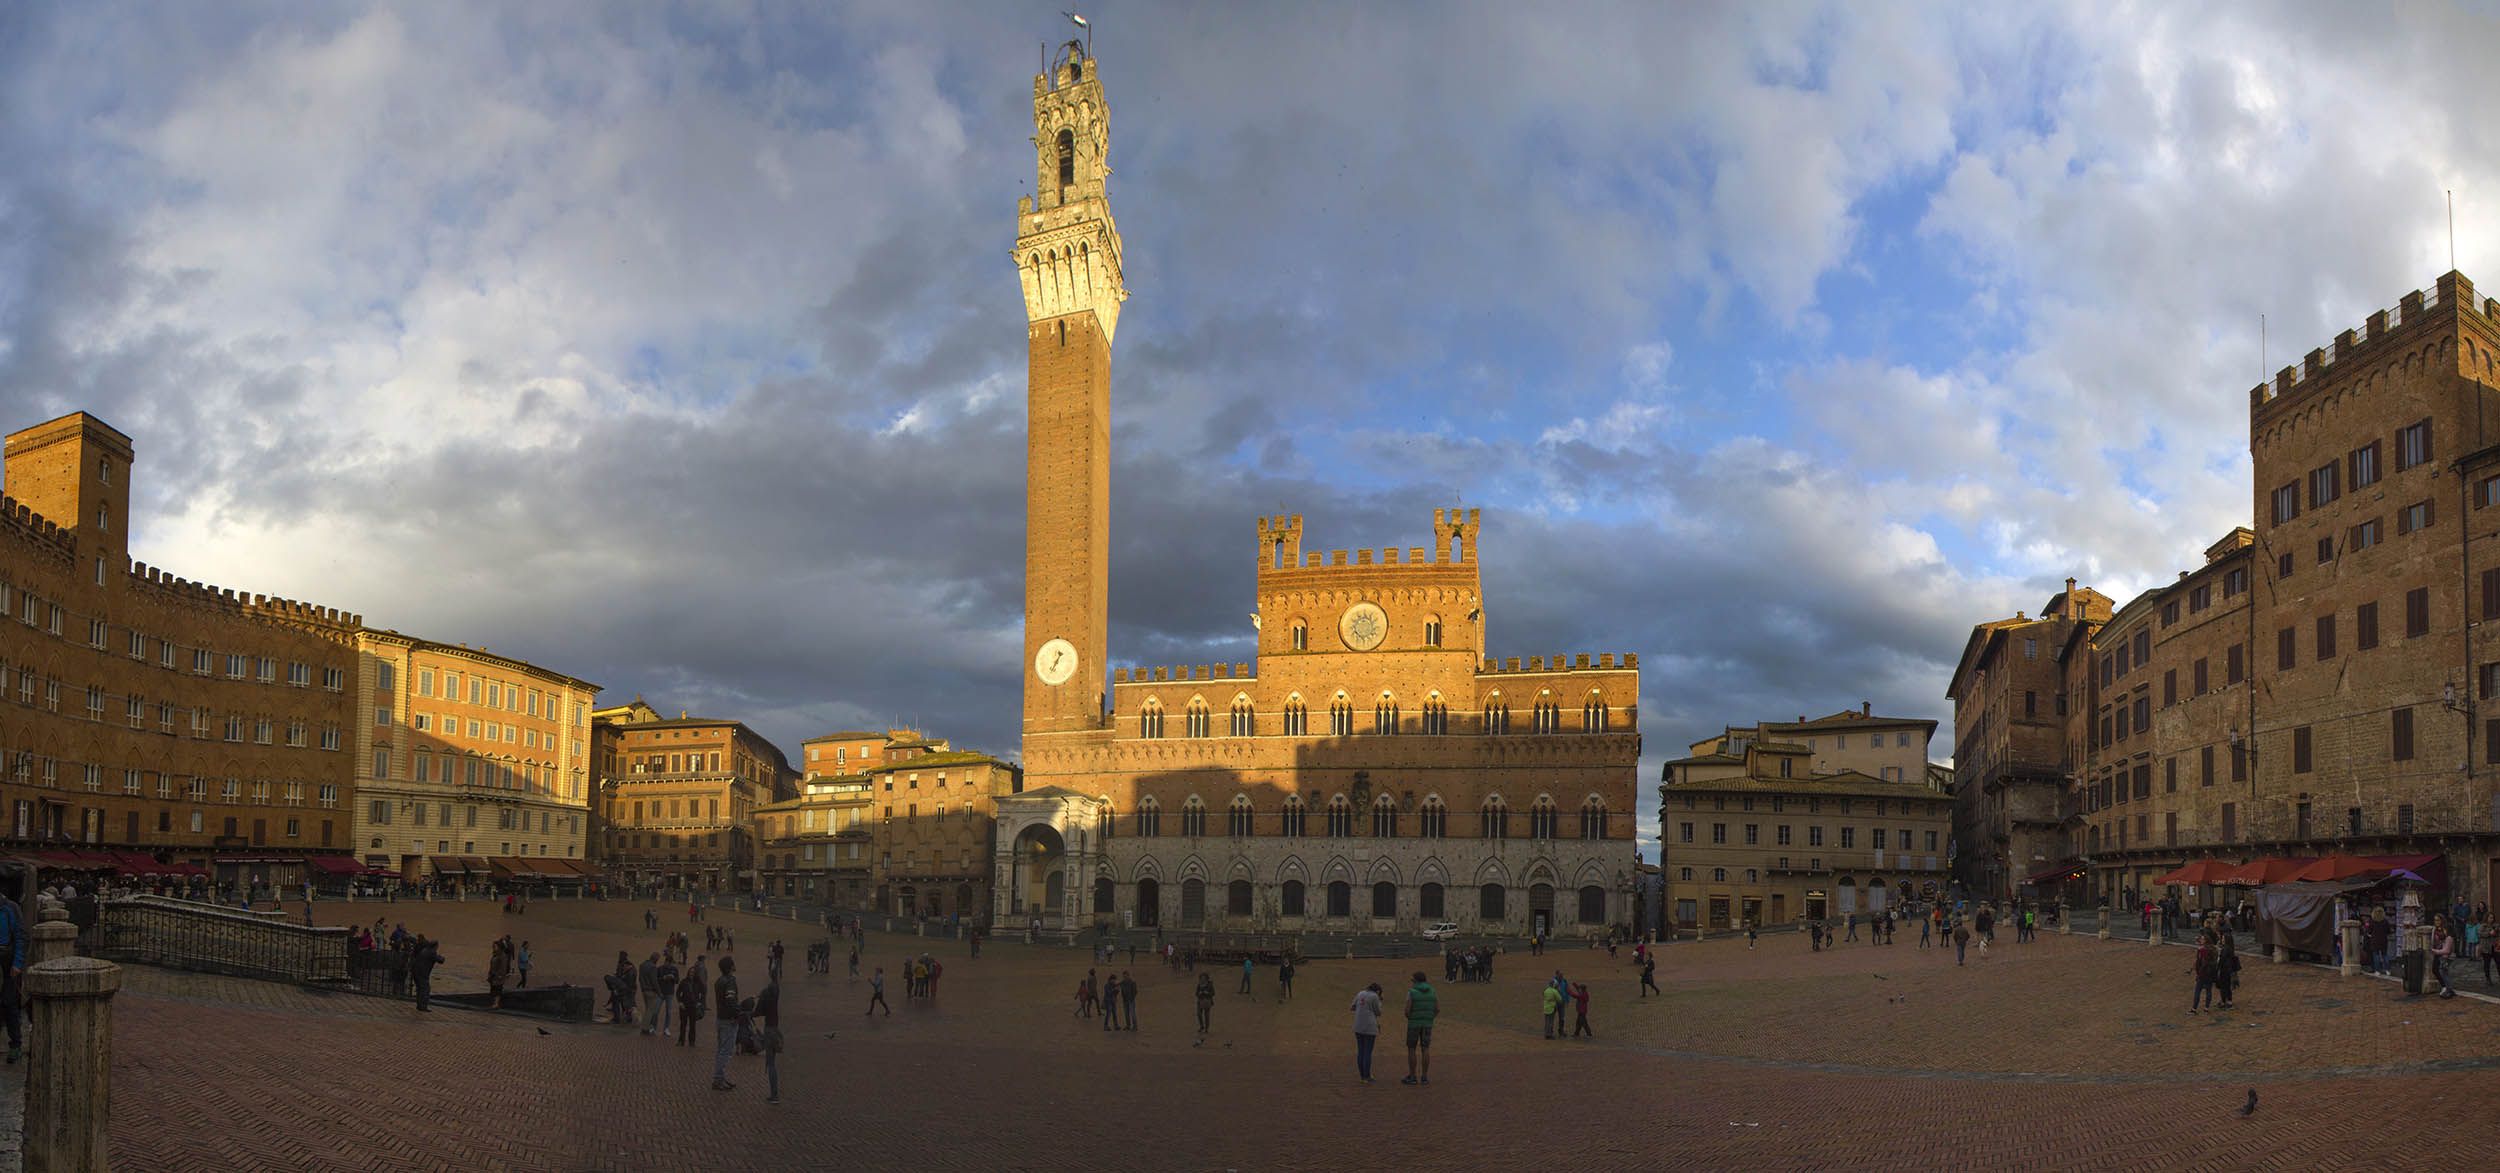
<point x="70" y="1064"/>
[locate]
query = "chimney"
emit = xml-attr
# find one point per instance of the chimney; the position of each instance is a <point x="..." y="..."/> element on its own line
<point x="1866" y="708"/>
<point x="2070" y="586"/>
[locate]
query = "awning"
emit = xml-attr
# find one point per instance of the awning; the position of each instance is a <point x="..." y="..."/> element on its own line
<point x="476" y="866"/>
<point x="132" y="863"/>
<point x="2203" y="871"/>
<point x="2340" y="867"/>
<point x="73" y="861"/>
<point x="448" y="865"/>
<point x="2257" y="872"/>
<point x="335" y="865"/>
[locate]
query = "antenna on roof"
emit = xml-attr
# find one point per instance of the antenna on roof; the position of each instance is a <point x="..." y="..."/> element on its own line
<point x="2452" y="229"/>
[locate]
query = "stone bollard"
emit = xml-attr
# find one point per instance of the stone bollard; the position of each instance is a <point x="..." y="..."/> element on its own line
<point x="2352" y="948"/>
<point x="2161" y="927"/>
<point x="70" y="1064"/>
<point x="2281" y="955"/>
<point x="2104" y="922"/>
<point x="53" y="936"/>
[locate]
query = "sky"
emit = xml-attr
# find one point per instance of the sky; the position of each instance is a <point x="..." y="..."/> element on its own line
<point x="678" y="347"/>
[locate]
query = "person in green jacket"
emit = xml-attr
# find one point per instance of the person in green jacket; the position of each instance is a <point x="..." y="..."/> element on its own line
<point x="1422" y="1006"/>
<point x="1553" y="1010"/>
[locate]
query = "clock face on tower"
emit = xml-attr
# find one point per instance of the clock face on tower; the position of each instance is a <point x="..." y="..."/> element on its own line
<point x="1055" y="662"/>
<point x="1363" y="626"/>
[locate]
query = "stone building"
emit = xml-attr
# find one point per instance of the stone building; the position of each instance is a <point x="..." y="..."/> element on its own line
<point x="1892" y="749"/>
<point x="819" y="845"/>
<point x="470" y="765"/>
<point x="2325" y="683"/>
<point x="1752" y="834"/>
<point x="934" y="831"/>
<point x="158" y="724"/>
<point x="2012" y="767"/>
<point x="680" y="808"/>
<point x="1378" y="771"/>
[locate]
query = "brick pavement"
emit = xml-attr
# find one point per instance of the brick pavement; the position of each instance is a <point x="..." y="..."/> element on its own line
<point x="1777" y="1058"/>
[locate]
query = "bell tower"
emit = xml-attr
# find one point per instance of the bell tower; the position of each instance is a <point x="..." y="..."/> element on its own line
<point x="1068" y="259"/>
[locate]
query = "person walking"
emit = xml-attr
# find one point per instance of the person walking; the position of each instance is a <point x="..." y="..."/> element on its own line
<point x="1245" y="975"/>
<point x="1649" y="979"/>
<point x="1751" y="935"/>
<point x="622" y="982"/>
<point x="1961" y="940"/>
<point x="767" y="1016"/>
<point x="1110" y="1001"/>
<point x="1128" y="1000"/>
<point x="664" y="992"/>
<point x="1551" y="1000"/>
<point x="1366" y="1029"/>
<point x="498" y="971"/>
<point x="1284" y="980"/>
<point x="521" y="962"/>
<point x="2443" y="949"/>
<point x="1926" y="929"/>
<point x="647" y="978"/>
<point x="1580" y="1011"/>
<point x="421" y="963"/>
<point x="1422" y="1006"/>
<point x="1206" y="1002"/>
<point x="2226" y="965"/>
<point x="730" y="1010"/>
<point x="876" y="993"/>
<point x="2202" y="969"/>
<point x="1085" y="996"/>
<point x="690" y="991"/>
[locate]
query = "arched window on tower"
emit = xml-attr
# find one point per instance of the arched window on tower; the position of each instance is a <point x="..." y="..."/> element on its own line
<point x="1384" y="818"/>
<point x="1593" y="714"/>
<point x="1341" y="717"/>
<point x="1301" y="636"/>
<point x="1200" y="722"/>
<point x="1293" y="817"/>
<point x="1385" y="716"/>
<point x="1244" y="719"/>
<point x="1149" y="818"/>
<point x="1435" y="817"/>
<point x="1436" y="716"/>
<point x="1193" y="818"/>
<point x="1239" y="818"/>
<point x="1496" y="818"/>
<point x="1297" y="718"/>
<point x="1150" y="719"/>
<point x="1067" y="157"/>
<point x="1593" y="819"/>
<point x="1432" y="631"/>
<point x="1340" y="818"/>
<point x="1541" y="818"/>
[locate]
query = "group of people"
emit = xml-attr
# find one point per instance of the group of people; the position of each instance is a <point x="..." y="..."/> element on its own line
<point x="1472" y="964"/>
<point x="2216" y="967"/>
<point x="504" y="959"/>
<point x="1115" y="997"/>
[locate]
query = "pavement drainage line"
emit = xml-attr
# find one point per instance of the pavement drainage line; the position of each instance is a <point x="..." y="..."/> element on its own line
<point x="2426" y="1067"/>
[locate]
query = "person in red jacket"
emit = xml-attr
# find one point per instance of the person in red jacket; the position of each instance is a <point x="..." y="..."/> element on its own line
<point x="1580" y="1010"/>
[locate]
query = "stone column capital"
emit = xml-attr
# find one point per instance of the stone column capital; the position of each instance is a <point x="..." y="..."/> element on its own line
<point x="73" y="977"/>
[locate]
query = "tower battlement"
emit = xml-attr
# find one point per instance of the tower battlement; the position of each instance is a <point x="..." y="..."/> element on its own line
<point x="2451" y="295"/>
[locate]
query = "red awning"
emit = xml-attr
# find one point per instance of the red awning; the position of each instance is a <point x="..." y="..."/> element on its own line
<point x="335" y="865"/>
<point x="2062" y="872"/>
<point x="2340" y="867"/>
<point x="74" y="860"/>
<point x="2410" y="863"/>
<point x="2259" y="872"/>
<point x="2203" y="871"/>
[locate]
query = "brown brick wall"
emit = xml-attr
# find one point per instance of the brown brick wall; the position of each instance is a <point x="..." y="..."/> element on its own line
<point x="1067" y="540"/>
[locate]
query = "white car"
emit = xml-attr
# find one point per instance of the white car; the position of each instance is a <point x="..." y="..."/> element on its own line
<point x="1442" y="931"/>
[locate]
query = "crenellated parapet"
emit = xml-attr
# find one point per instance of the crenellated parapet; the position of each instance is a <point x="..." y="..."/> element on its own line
<point x="1495" y="666"/>
<point x="170" y="588"/>
<point x="2386" y="336"/>
<point x="23" y="522"/>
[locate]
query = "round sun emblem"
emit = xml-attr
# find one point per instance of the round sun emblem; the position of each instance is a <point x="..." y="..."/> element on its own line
<point x="1363" y="627"/>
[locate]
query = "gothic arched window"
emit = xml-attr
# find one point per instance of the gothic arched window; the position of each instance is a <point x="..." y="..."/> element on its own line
<point x="1067" y="157"/>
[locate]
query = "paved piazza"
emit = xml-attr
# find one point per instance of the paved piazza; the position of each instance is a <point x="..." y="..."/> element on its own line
<point x="2068" y="1053"/>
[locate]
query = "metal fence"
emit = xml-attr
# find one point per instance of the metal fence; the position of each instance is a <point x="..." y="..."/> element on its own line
<point x="181" y="934"/>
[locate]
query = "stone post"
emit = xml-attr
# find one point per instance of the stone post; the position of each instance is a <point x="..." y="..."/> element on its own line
<point x="70" y="1064"/>
<point x="2104" y="934"/>
<point x="2352" y="948"/>
<point x="53" y="936"/>
<point x="2161" y="928"/>
<point x="2280" y="954"/>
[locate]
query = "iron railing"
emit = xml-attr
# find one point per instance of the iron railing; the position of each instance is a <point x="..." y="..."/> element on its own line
<point x="181" y="934"/>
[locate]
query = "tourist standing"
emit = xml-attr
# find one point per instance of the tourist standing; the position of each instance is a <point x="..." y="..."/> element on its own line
<point x="498" y="971"/>
<point x="521" y="961"/>
<point x="1245" y="975"/>
<point x="1366" y="1028"/>
<point x="1128" y="999"/>
<point x="1206" y="1002"/>
<point x="2226" y="965"/>
<point x="1422" y="1006"/>
<point x="1549" y="1000"/>
<point x="725" y="1039"/>
<point x="1085" y="996"/>
<point x="1580" y="1011"/>
<point x="1926" y="928"/>
<point x="690" y="1003"/>
<point x="1961" y="940"/>
<point x="768" y="1030"/>
<point x="2202" y="969"/>
<point x="421" y="963"/>
<point x="2443" y="948"/>
<point x="663" y="992"/>
<point x="1284" y="980"/>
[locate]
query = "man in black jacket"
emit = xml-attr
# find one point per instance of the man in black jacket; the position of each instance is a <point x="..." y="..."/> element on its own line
<point x="647" y="975"/>
<point x="421" y="965"/>
<point x="725" y="1007"/>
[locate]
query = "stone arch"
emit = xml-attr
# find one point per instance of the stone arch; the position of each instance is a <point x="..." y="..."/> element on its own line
<point x="1240" y="869"/>
<point x="1146" y="869"/>
<point x="1192" y="868"/>
<point x="1591" y="872"/>
<point x="1541" y="872"/>
<point x="1337" y="869"/>
<point x="1384" y="870"/>
<point x="1491" y="871"/>
<point x="1291" y="868"/>
<point x="1431" y="871"/>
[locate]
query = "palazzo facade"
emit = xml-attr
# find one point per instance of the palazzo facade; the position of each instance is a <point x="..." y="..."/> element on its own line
<point x="1376" y="770"/>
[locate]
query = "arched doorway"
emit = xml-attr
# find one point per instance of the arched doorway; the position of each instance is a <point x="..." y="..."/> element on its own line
<point x="1105" y="892"/>
<point x="1384" y="900"/>
<point x="1541" y="909"/>
<point x="1490" y="903"/>
<point x="1340" y="898"/>
<point x="1876" y="895"/>
<point x="1038" y="871"/>
<point x="1193" y="902"/>
<point x="1289" y="899"/>
<point x="1848" y="895"/>
<point x="1149" y="904"/>
<point x="909" y="899"/>
<point x="1237" y="898"/>
<point x="1592" y="905"/>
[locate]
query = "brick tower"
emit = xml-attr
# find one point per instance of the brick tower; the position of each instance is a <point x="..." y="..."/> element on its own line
<point x="1068" y="257"/>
